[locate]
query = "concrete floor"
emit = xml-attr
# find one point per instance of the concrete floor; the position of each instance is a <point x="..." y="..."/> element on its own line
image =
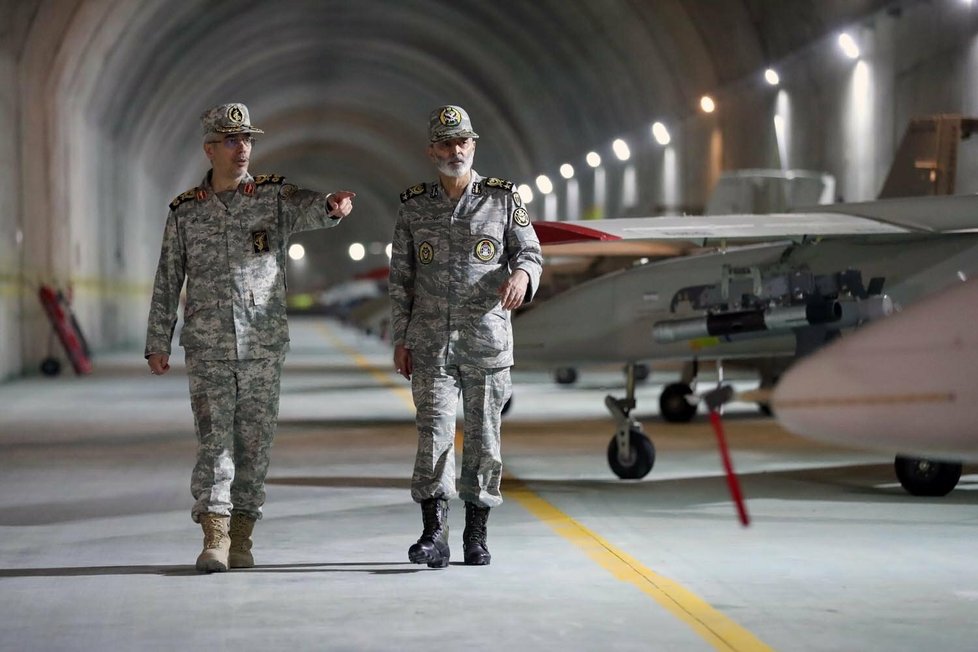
<point x="97" y="546"/>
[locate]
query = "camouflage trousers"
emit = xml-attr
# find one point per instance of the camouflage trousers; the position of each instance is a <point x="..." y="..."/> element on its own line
<point x="436" y="391"/>
<point x="235" y="405"/>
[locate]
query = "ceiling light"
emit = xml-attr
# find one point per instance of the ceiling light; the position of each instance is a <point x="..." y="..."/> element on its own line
<point x="848" y="45"/>
<point x="593" y="159"/>
<point x="771" y="77"/>
<point x="661" y="134"/>
<point x="621" y="149"/>
<point x="707" y="104"/>
<point x="526" y="193"/>
<point x="357" y="251"/>
<point x="567" y="171"/>
<point x="544" y="185"/>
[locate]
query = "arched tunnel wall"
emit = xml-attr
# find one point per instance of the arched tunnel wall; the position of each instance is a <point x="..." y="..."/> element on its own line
<point x="99" y="102"/>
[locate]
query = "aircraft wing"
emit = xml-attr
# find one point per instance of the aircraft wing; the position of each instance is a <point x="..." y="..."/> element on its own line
<point x="944" y="214"/>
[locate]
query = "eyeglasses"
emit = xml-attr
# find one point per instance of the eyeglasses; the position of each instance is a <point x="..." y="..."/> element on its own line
<point x="232" y="142"/>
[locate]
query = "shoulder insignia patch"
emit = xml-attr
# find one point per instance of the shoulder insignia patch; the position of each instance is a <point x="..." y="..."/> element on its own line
<point x="493" y="182"/>
<point x="287" y="190"/>
<point x="413" y="191"/>
<point x="477" y="188"/>
<point x="183" y="197"/>
<point x="262" y="179"/>
<point x="521" y="217"/>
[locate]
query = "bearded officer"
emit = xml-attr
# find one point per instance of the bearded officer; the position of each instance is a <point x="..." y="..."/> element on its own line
<point x="464" y="255"/>
<point x="228" y="238"/>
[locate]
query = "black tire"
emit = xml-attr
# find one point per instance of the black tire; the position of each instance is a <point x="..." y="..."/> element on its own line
<point x="641" y="456"/>
<point x="50" y="367"/>
<point x="923" y="477"/>
<point x="673" y="405"/>
<point x="565" y="376"/>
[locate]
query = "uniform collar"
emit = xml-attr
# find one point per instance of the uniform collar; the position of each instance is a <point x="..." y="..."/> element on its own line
<point x="437" y="192"/>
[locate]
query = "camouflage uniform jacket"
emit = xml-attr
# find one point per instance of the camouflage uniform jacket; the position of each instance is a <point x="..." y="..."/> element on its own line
<point x="233" y="258"/>
<point x="447" y="263"/>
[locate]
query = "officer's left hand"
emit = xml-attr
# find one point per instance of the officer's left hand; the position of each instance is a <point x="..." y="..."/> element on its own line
<point x="340" y="203"/>
<point x="513" y="290"/>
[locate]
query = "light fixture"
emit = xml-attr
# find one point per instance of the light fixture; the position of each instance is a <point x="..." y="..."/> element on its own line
<point x="593" y="159"/>
<point x="357" y="251"/>
<point x="544" y="184"/>
<point x="621" y="149"/>
<point x="526" y="193"/>
<point x="567" y="171"/>
<point x="297" y="251"/>
<point x="707" y="104"/>
<point x="389" y="250"/>
<point x="661" y="134"/>
<point x="848" y="45"/>
<point x="771" y="76"/>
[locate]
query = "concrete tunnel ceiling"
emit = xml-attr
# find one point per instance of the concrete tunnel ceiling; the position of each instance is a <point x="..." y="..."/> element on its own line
<point x="343" y="89"/>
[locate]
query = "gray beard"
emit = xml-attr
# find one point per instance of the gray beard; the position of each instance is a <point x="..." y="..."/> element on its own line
<point x="455" y="172"/>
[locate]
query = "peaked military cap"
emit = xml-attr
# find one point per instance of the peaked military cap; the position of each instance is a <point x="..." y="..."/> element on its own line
<point x="228" y="119"/>
<point x="449" y="121"/>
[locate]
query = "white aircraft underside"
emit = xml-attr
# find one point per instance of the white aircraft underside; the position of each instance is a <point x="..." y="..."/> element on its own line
<point x="611" y="318"/>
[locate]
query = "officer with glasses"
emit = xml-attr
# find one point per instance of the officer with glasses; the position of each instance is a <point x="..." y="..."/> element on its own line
<point x="228" y="239"/>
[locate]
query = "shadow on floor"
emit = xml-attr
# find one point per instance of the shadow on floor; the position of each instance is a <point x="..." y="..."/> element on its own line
<point x="370" y="567"/>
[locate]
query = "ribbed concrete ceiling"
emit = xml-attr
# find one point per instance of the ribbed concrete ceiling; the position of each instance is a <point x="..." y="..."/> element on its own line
<point x="343" y="88"/>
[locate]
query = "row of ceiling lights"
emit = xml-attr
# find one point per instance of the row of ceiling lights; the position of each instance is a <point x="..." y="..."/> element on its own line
<point x="620" y="148"/>
<point x="660" y="132"/>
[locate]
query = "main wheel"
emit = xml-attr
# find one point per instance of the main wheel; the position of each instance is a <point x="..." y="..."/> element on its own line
<point x="922" y="477"/>
<point x="673" y="405"/>
<point x="641" y="456"/>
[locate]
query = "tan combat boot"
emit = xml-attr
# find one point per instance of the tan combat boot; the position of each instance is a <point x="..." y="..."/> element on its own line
<point x="241" y="542"/>
<point x="214" y="557"/>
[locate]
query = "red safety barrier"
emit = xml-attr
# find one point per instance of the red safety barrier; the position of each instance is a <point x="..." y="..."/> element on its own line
<point x="66" y="326"/>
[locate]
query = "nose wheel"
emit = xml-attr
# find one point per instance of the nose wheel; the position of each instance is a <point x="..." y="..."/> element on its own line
<point x="631" y="454"/>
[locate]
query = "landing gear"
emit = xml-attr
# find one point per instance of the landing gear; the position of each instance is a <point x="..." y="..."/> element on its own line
<point x="631" y="454"/>
<point x="639" y="458"/>
<point x="673" y="405"/>
<point x="922" y="477"/>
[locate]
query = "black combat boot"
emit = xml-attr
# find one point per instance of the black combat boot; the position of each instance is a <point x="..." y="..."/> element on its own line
<point x="432" y="547"/>
<point x="474" y="535"/>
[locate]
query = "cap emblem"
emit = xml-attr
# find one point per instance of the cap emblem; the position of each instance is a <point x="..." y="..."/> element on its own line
<point x="235" y="115"/>
<point x="450" y="117"/>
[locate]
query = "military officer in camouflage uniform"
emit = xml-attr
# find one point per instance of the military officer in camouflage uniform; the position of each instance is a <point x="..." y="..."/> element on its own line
<point x="228" y="237"/>
<point x="464" y="255"/>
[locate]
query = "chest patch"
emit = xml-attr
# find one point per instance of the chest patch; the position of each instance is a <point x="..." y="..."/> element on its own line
<point x="426" y="253"/>
<point x="259" y="242"/>
<point x="485" y="250"/>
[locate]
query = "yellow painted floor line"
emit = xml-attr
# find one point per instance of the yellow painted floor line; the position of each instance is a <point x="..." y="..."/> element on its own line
<point x="715" y="628"/>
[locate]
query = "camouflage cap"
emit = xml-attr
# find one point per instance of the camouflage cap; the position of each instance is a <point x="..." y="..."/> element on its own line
<point x="449" y="122"/>
<point x="228" y="119"/>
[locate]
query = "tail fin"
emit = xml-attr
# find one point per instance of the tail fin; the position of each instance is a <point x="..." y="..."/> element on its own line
<point x="926" y="161"/>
